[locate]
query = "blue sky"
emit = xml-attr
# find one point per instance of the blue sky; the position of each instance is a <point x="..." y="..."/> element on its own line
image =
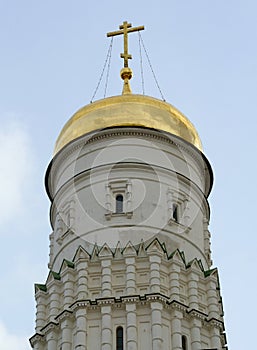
<point x="204" y="55"/>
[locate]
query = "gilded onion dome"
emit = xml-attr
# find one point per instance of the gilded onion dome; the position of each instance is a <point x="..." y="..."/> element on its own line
<point x="128" y="110"/>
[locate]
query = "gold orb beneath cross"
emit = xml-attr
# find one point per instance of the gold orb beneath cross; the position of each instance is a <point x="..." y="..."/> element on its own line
<point x="126" y="73"/>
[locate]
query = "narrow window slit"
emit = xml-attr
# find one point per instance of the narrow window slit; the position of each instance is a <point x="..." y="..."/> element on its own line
<point x="184" y="342"/>
<point x="119" y="338"/>
<point x="175" y="212"/>
<point x="119" y="203"/>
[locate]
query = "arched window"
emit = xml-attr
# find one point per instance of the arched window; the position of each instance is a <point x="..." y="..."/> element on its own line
<point x="119" y="203"/>
<point x="184" y="342"/>
<point x="119" y="338"/>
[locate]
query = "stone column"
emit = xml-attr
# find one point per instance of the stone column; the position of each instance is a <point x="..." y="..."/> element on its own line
<point x="207" y="242"/>
<point x="82" y="291"/>
<point x="176" y="332"/>
<point x="170" y="204"/>
<point x="81" y="325"/>
<point x="196" y="334"/>
<point x="72" y="215"/>
<point x="174" y="281"/>
<point x="130" y="276"/>
<point x="215" y="336"/>
<point x="59" y="225"/>
<point x="155" y="279"/>
<point x="212" y="299"/>
<point x="54" y="296"/>
<point x="129" y="196"/>
<point x="51" y="250"/>
<point x="108" y="204"/>
<point x="51" y="339"/>
<point x="66" y="329"/>
<point x="41" y="310"/>
<point x="156" y="316"/>
<point x="131" y="327"/>
<point x="186" y="215"/>
<point x="68" y="289"/>
<point x="106" y="278"/>
<point x="193" y="291"/>
<point x="106" y="328"/>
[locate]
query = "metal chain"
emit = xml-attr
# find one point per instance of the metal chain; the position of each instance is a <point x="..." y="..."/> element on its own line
<point x="101" y="76"/>
<point x="141" y="63"/>
<point x="148" y="59"/>
<point x="108" y="68"/>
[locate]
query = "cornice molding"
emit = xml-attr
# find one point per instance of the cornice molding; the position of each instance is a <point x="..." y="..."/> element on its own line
<point x="117" y="132"/>
<point x="36" y="338"/>
<point x="171" y="139"/>
<point x="50" y="327"/>
<point x="146" y="299"/>
<point x="193" y="313"/>
<point x="65" y="314"/>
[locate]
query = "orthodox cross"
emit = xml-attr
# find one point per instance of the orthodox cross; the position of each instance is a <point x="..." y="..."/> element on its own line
<point x="125" y="28"/>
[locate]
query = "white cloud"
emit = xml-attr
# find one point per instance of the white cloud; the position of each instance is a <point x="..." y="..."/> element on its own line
<point x="10" y="342"/>
<point x="15" y="169"/>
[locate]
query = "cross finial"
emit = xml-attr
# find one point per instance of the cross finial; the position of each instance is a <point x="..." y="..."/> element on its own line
<point x="126" y="72"/>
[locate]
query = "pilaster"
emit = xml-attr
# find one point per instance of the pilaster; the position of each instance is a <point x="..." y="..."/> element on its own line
<point x="186" y="214"/>
<point x="170" y="204"/>
<point x="131" y="327"/>
<point x="212" y="300"/>
<point x="82" y="268"/>
<point x="41" y="310"/>
<point x="176" y="332"/>
<point x="106" y="312"/>
<point x="207" y="242"/>
<point x="215" y="336"/>
<point x="156" y="318"/>
<point x="54" y="295"/>
<point x="193" y="290"/>
<point x="105" y="255"/>
<point x="106" y="278"/>
<point x="196" y="325"/>
<point x="81" y="326"/>
<point x="130" y="275"/>
<point x="155" y="280"/>
<point x="66" y="330"/>
<point x="51" y="337"/>
<point x="68" y="289"/>
<point x="174" y="281"/>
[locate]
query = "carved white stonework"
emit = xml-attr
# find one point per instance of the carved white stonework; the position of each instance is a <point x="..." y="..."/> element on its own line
<point x="71" y="314"/>
<point x="123" y="187"/>
<point x="142" y="269"/>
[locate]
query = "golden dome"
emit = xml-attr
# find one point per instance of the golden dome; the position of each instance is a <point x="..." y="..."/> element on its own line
<point x="128" y="110"/>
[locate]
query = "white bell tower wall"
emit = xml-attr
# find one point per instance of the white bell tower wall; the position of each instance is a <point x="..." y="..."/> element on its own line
<point x="129" y="184"/>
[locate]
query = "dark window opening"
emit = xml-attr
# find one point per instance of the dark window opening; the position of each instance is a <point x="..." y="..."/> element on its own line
<point x="184" y="342"/>
<point x="119" y="203"/>
<point x="175" y="212"/>
<point x="119" y="338"/>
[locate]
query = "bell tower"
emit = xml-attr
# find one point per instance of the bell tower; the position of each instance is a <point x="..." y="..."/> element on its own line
<point x="130" y="264"/>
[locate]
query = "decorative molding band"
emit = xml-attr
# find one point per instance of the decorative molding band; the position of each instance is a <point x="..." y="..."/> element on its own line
<point x="64" y="315"/>
<point x="197" y="314"/>
<point x="213" y="322"/>
<point x="118" y="302"/>
<point x="36" y="338"/>
<point x="51" y="326"/>
<point x="117" y="132"/>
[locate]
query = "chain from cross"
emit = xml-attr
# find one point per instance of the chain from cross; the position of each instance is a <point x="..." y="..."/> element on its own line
<point x="125" y="28"/>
